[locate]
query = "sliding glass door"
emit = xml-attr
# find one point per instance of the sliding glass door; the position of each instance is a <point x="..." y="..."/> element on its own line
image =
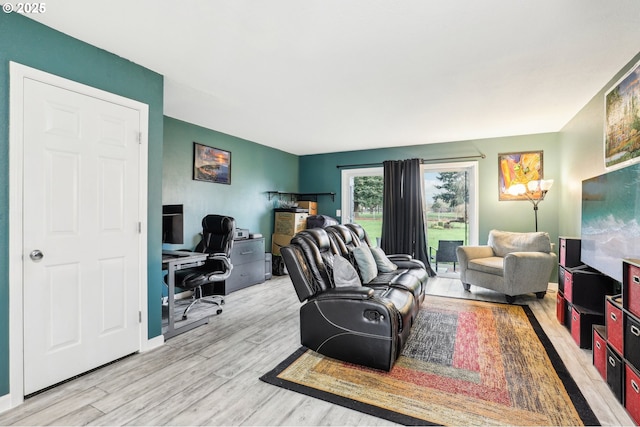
<point x="450" y="204"/>
<point x="450" y="201"/>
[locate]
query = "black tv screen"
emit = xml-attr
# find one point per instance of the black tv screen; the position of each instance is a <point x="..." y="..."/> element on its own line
<point x="610" y="213"/>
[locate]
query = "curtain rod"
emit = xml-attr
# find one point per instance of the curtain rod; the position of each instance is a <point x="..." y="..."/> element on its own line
<point x="480" y="156"/>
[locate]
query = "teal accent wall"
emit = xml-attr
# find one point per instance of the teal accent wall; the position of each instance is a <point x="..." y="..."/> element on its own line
<point x="255" y="169"/>
<point x="318" y="173"/>
<point x="27" y="42"/>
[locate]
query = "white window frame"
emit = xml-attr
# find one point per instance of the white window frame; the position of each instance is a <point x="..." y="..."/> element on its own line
<point x="473" y="192"/>
<point x="346" y="181"/>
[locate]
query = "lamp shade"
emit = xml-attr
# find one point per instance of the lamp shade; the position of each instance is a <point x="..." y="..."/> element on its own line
<point x="546" y="184"/>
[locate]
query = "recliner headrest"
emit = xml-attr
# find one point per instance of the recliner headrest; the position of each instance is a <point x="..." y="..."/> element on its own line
<point x="319" y="237"/>
<point x="343" y="232"/>
<point x="359" y="232"/>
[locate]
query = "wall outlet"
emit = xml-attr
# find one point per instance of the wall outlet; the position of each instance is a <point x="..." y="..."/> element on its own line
<point x="338" y="212"/>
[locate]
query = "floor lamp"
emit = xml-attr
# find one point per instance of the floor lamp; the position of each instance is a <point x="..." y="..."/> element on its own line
<point x="535" y="192"/>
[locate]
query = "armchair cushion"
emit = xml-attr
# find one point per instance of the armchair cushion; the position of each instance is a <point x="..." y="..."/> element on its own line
<point x="344" y="274"/>
<point x="383" y="263"/>
<point x="490" y="265"/>
<point x="505" y="242"/>
<point x="366" y="263"/>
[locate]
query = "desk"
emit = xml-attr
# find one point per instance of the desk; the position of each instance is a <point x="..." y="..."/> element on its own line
<point x="173" y="261"/>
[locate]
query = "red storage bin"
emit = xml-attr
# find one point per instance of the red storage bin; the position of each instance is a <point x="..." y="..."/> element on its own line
<point x="632" y="393"/>
<point x="560" y="308"/>
<point x="600" y="350"/>
<point x="613" y="320"/>
<point x="631" y="288"/>
<point x="582" y="321"/>
<point x="568" y="285"/>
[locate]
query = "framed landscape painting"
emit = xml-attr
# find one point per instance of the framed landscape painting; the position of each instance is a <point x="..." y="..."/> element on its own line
<point x="211" y="164"/>
<point x="622" y="121"/>
<point x="517" y="168"/>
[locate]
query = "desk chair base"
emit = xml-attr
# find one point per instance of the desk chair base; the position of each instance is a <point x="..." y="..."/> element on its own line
<point x="212" y="299"/>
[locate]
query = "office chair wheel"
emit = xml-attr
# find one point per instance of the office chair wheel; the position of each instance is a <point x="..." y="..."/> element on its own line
<point x="184" y="317"/>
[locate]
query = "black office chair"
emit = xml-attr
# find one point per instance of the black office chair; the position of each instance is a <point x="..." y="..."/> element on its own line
<point x="446" y="252"/>
<point x="217" y="241"/>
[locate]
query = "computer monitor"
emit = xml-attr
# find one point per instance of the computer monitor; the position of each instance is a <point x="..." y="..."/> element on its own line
<point x="172" y="224"/>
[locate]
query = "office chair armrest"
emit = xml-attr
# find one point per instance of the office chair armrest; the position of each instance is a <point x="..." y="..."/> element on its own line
<point x="218" y="276"/>
<point x="222" y="257"/>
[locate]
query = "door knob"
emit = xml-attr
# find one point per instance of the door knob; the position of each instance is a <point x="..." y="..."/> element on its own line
<point x="36" y="255"/>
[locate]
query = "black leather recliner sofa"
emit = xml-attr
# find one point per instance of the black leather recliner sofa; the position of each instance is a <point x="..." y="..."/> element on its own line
<point x="349" y="236"/>
<point x="358" y="324"/>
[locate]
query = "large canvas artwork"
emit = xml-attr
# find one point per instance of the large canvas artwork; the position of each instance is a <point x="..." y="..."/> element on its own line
<point x="622" y="121"/>
<point x="610" y="212"/>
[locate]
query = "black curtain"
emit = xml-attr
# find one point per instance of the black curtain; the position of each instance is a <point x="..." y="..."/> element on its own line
<point x="403" y="228"/>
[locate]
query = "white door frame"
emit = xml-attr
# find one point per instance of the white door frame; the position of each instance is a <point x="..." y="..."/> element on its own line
<point x="18" y="74"/>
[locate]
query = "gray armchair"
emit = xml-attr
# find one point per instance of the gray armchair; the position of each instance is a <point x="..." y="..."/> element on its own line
<point x="511" y="263"/>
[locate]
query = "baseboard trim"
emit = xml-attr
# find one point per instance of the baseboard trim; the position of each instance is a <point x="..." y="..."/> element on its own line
<point x="152" y="343"/>
<point x="5" y="403"/>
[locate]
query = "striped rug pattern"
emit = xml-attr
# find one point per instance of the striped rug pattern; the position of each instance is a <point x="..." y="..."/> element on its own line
<point x="466" y="363"/>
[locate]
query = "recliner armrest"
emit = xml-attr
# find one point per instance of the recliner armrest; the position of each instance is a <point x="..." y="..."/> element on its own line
<point x="347" y="292"/>
<point x="399" y="257"/>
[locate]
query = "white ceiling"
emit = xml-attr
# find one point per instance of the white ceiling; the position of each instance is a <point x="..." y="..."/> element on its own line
<point x="316" y="76"/>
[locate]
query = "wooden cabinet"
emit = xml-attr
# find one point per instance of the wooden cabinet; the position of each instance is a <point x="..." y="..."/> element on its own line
<point x="248" y="260"/>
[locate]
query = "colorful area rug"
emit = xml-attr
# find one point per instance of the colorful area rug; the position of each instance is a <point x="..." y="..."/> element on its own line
<point x="466" y="363"/>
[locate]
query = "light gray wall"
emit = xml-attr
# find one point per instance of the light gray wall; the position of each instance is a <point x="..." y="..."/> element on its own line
<point x="582" y="155"/>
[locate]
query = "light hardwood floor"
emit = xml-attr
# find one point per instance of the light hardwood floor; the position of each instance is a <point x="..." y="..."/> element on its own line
<point x="209" y="376"/>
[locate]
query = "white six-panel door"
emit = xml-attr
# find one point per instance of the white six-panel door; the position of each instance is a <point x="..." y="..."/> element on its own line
<point x="81" y="219"/>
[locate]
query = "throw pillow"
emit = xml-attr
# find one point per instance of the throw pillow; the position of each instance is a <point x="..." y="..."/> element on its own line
<point x="366" y="263"/>
<point x="344" y="274"/>
<point x="384" y="264"/>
